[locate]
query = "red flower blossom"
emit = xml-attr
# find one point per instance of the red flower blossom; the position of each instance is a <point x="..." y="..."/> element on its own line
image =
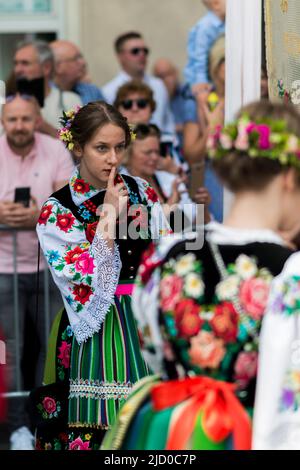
<point x="82" y="293"/>
<point x="64" y="354"/>
<point x="151" y="194"/>
<point x="73" y="255"/>
<point x="63" y="437"/>
<point x="45" y="214"/>
<point x="187" y="317"/>
<point x="65" y="222"/>
<point x="90" y="231"/>
<point x="225" y="322"/>
<point x="147" y="264"/>
<point x="170" y="292"/>
<point x="78" y="444"/>
<point x="245" y="368"/>
<point x="49" y="405"/>
<point x="81" y="187"/>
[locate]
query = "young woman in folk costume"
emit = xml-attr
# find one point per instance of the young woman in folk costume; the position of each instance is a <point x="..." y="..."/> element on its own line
<point x="95" y="342"/>
<point x="200" y="309"/>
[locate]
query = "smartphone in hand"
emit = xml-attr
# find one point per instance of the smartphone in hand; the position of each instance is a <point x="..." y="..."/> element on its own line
<point x="22" y="196"/>
<point x="165" y="149"/>
<point x="196" y="179"/>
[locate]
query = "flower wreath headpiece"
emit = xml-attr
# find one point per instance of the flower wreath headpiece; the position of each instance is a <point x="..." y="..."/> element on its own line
<point x="66" y="121"/>
<point x="261" y="139"/>
<point x="65" y="133"/>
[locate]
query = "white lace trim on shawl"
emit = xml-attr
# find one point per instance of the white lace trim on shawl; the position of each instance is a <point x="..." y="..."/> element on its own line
<point x="108" y="278"/>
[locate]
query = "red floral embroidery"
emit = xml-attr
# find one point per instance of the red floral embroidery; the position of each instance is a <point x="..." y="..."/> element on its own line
<point x="170" y="288"/>
<point x="82" y="293"/>
<point x="49" y="405"/>
<point x="73" y="255"/>
<point x="65" y="222"/>
<point x="148" y="265"/>
<point x="64" y="354"/>
<point x="151" y="194"/>
<point x="78" y="444"/>
<point x="225" y="322"/>
<point x="246" y="368"/>
<point x="45" y="214"/>
<point x="81" y="187"/>
<point x="187" y="317"/>
<point x="90" y="231"/>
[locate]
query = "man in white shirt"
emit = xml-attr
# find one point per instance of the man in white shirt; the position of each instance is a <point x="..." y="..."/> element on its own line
<point x="34" y="59"/>
<point x="132" y="54"/>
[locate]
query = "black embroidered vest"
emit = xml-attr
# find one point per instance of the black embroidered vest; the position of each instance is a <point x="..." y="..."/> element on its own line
<point x="130" y="250"/>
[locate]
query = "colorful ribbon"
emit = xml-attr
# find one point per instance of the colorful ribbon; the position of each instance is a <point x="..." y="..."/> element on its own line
<point x="222" y="413"/>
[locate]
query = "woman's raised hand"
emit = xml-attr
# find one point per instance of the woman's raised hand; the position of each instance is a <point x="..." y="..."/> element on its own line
<point x="116" y="194"/>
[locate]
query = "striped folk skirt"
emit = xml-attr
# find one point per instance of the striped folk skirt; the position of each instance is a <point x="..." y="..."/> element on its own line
<point x="105" y="368"/>
<point x="101" y="373"/>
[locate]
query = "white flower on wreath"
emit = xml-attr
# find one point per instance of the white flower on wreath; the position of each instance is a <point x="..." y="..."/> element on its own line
<point x="185" y="265"/>
<point x="194" y="286"/>
<point x="245" y="267"/>
<point x="226" y="289"/>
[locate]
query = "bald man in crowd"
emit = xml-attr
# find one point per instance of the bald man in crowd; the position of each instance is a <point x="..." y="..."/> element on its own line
<point x="34" y="59"/>
<point x="70" y="71"/>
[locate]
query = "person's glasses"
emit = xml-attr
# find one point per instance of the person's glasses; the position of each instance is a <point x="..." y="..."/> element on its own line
<point x="139" y="50"/>
<point x="141" y="103"/>
<point x="25" y="97"/>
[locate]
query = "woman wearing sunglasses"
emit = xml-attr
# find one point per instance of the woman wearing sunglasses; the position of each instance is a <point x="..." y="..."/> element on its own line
<point x="135" y="101"/>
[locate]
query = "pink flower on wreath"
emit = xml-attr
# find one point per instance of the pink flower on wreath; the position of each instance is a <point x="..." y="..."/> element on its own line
<point x="170" y="289"/>
<point x="242" y="141"/>
<point x="254" y="296"/>
<point x="78" y="444"/>
<point x="64" y="354"/>
<point x="85" y="264"/>
<point x="245" y="368"/>
<point x="264" y="132"/>
<point x="49" y="405"/>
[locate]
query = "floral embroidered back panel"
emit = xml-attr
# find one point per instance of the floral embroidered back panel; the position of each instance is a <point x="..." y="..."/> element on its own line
<point x="213" y="323"/>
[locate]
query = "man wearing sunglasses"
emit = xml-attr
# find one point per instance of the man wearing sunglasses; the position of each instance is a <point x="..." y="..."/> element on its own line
<point x="132" y="54"/>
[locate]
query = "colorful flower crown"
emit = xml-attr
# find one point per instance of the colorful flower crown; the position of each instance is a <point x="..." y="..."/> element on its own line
<point x="261" y="139"/>
<point x="66" y="121"/>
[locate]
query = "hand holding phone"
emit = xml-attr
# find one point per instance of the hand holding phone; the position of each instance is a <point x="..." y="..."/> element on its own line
<point x="196" y="178"/>
<point x="22" y="196"/>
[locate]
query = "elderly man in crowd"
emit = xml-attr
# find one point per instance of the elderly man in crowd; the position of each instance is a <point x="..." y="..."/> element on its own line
<point x="70" y="71"/>
<point x="28" y="159"/>
<point x="132" y="54"/>
<point x="34" y="59"/>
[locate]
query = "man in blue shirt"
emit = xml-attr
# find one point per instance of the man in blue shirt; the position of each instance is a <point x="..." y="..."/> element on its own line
<point x="70" y="69"/>
<point x="201" y="39"/>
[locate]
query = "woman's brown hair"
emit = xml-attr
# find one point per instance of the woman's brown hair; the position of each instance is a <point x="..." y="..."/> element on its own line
<point x="238" y="171"/>
<point x="92" y="117"/>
